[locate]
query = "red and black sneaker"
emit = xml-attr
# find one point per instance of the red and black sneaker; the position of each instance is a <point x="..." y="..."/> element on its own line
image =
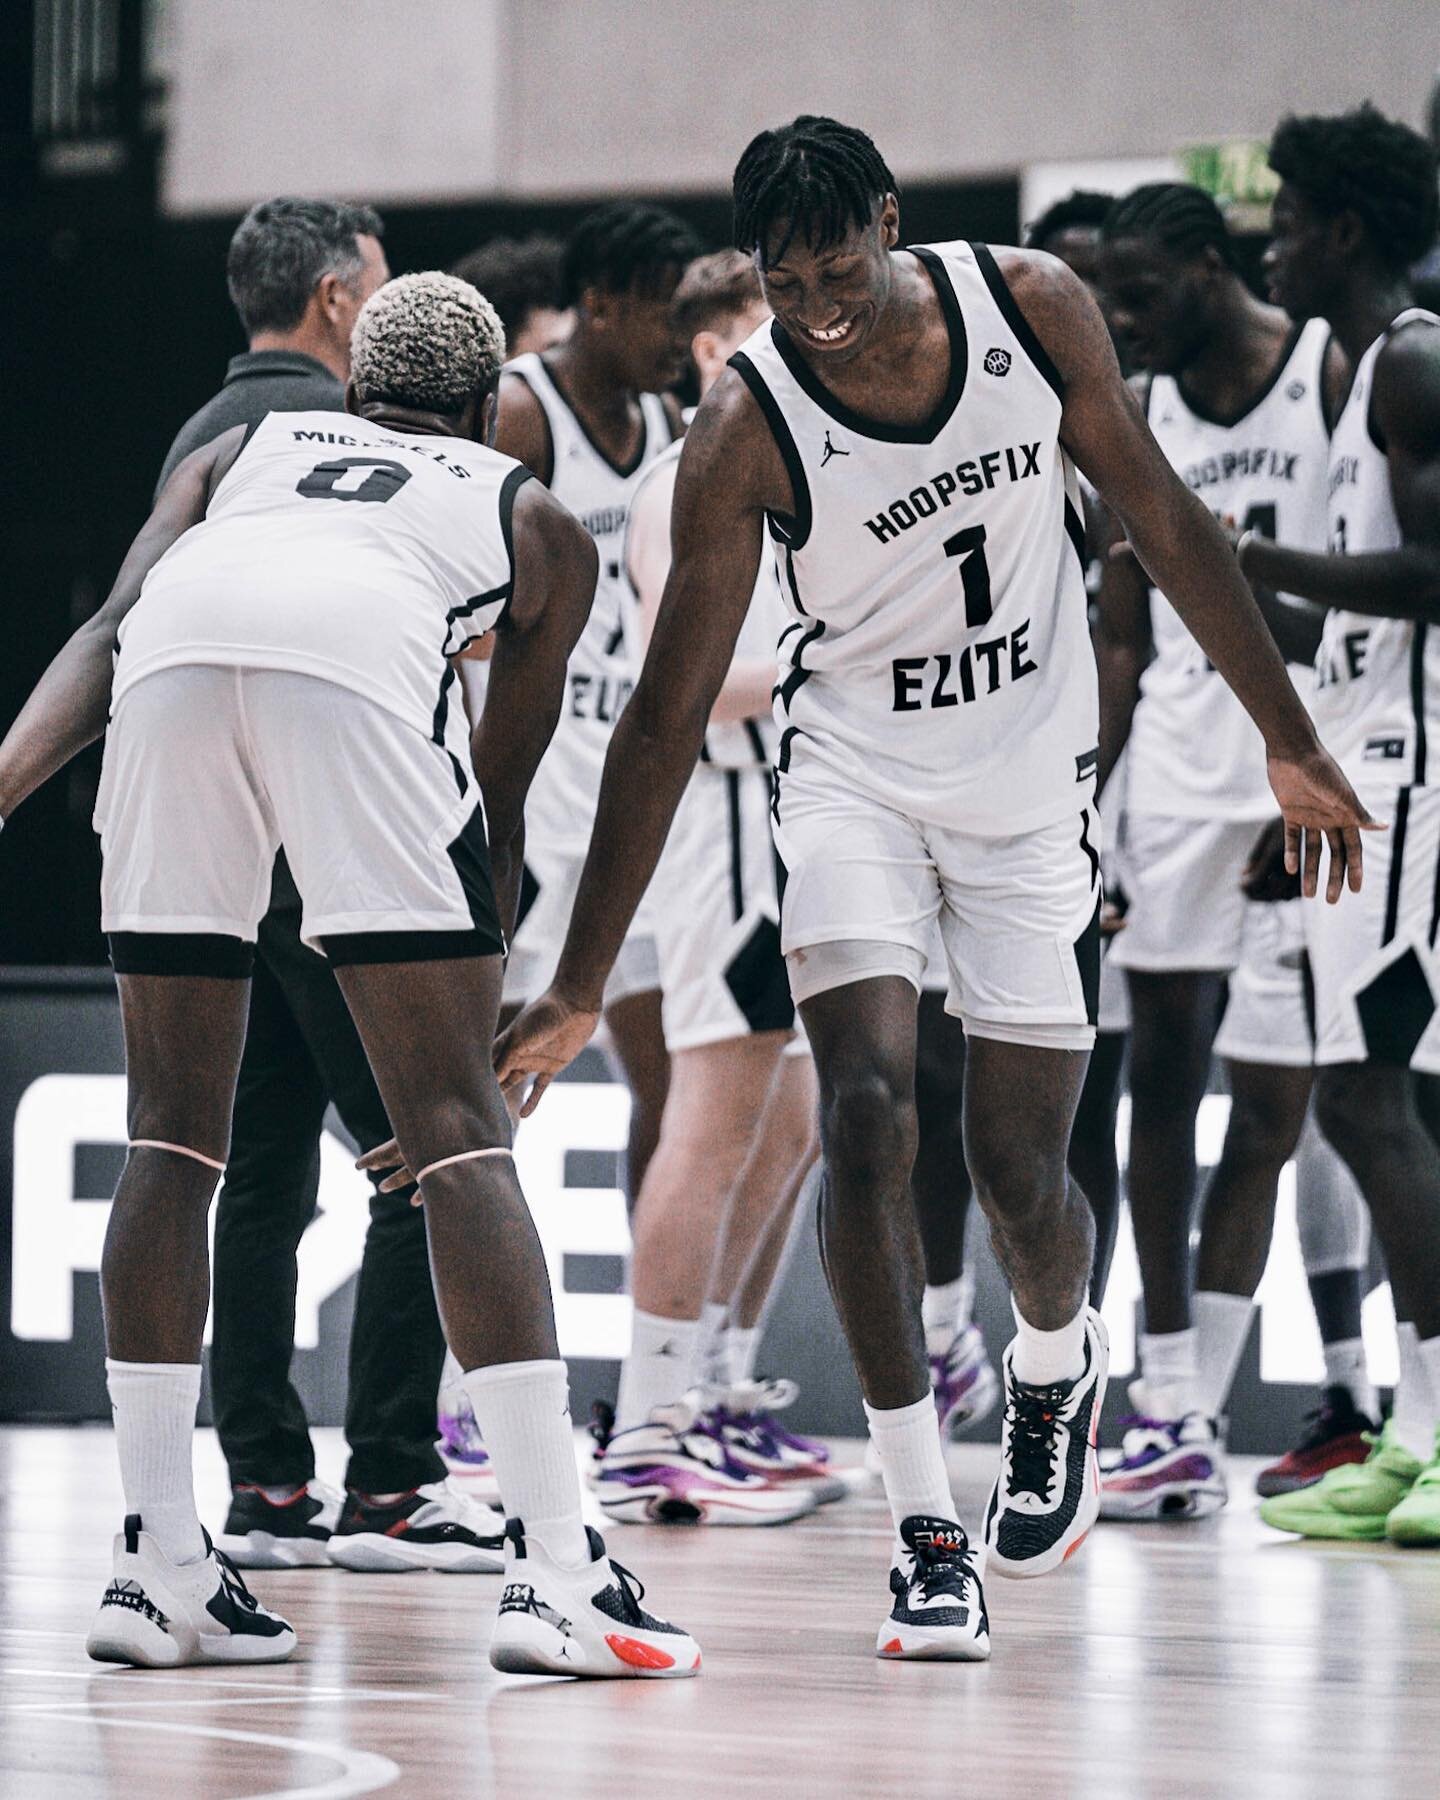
<point x="1334" y="1435"/>
<point x="273" y="1529"/>
<point x="428" y="1528"/>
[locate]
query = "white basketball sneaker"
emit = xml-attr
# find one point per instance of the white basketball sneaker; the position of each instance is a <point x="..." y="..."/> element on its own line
<point x="938" y="1612"/>
<point x="586" y="1622"/>
<point x="158" y="1614"/>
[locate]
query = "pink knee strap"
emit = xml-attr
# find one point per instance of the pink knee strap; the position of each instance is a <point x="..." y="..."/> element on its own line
<point x="464" y="1156"/>
<point x="176" y="1150"/>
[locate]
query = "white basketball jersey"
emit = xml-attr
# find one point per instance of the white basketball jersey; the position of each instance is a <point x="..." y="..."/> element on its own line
<point x="349" y="551"/>
<point x="561" y="806"/>
<point x="739" y="743"/>
<point x="1377" y="707"/>
<point x="938" y="656"/>
<point x="1195" y="753"/>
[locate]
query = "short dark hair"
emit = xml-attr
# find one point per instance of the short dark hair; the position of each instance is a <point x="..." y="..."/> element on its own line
<point x="280" y="250"/>
<point x="625" y="247"/>
<point x="1178" y="216"/>
<point x="1084" y="210"/>
<point x="1364" y="163"/>
<point x="517" y="276"/>
<point x="814" y="176"/>
<point x="712" y="291"/>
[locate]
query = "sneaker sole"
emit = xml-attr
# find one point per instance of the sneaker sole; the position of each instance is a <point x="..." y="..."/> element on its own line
<point x="372" y="1553"/>
<point x="660" y="1507"/>
<point x="920" y="1643"/>
<point x="141" y="1644"/>
<point x="1173" y="1502"/>
<point x="526" y="1646"/>
<point x="1418" y="1535"/>
<point x="1334" y="1528"/>
<point x="263" y="1550"/>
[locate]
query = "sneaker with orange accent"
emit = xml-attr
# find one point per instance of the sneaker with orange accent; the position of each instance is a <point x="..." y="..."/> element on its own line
<point x="428" y="1528"/>
<point x="938" y="1610"/>
<point x="586" y="1622"/>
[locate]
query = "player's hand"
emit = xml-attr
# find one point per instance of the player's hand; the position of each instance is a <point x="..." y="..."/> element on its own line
<point x="1265" y="876"/>
<point x="1112" y="920"/>
<point x="387" y="1156"/>
<point x="1317" y="802"/>
<point x="546" y="1038"/>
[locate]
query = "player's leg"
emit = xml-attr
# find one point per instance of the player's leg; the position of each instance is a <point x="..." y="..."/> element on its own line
<point x="637" y="1038"/>
<point x="1094" y="1160"/>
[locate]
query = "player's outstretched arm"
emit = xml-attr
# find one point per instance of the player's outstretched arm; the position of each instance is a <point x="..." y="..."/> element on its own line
<point x="1190" y="561"/>
<point x="71" y="701"/>
<point x="728" y="463"/>
<point x="1388" y="584"/>
<point x="555" y="568"/>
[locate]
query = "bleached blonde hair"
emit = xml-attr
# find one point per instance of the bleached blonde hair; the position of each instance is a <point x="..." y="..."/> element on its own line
<point x="427" y="341"/>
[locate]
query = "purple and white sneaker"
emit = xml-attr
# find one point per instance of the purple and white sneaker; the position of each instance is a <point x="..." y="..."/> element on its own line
<point x="1167" y="1469"/>
<point x="744" y="1415"/>
<point x="677" y="1469"/>
<point x="461" y="1447"/>
<point x="964" y="1382"/>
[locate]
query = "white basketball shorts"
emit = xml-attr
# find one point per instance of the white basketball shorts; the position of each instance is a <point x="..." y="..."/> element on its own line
<point x="1019" y="916"/>
<point x="1182" y="879"/>
<point x="1267" y="1015"/>
<point x="208" y="771"/>
<point x="1372" y="955"/>
<point x="548" y="887"/>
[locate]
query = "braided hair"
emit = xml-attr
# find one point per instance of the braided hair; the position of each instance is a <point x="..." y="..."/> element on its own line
<point x="623" y="247"/>
<point x="1084" y="210"/>
<point x="1180" y="218"/>
<point x="814" y="177"/>
<point x="1364" y="163"/>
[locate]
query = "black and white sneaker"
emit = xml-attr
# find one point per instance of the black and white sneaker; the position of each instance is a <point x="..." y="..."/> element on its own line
<point x="938" y="1613"/>
<point x="588" y="1621"/>
<point x="1048" y="1494"/>
<point x="158" y="1614"/>
<point x="261" y="1533"/>
<point x="428" y="1528"/>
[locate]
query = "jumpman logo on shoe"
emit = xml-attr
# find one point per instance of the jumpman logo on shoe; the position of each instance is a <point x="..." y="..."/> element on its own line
<point x="831" y="450"/>
<point x="668" y="1348"/>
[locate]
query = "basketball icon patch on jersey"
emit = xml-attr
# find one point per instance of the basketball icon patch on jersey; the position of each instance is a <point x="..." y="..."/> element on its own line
<point x="997" y="362"/>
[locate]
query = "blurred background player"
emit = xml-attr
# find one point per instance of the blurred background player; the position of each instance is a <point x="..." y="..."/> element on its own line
<point x="738" y="1131"/>
<point x="522" y="280"/>
<point x="298" y="272"/>
<point x="1236" y="397"/>
<point x="1356" y="209"/>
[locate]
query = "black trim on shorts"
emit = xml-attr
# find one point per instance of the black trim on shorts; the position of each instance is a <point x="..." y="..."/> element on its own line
<point x="211" y="953"/>
<point x="1397" y="860"/>
<point x="1021" y="327"/>
<point x="1089" y="850"/>
<point x="737" y="870"/>
<point x="1087" y="963"/>
<point x="793" y="530"/>
<point x="1417" y="696"/>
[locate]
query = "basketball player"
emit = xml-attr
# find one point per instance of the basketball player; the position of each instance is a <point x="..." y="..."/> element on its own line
<point x="1240" y="401"/>
<point x="284" y="623"/>
<point x="521" y="280"/>
<point x="904" y="430"/>
<point x="736" y="1139"/>
<point x="1356" y="207"/>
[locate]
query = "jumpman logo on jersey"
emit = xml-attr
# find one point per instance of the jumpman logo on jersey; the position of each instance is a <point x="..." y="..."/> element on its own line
<point x="831" y="450"/>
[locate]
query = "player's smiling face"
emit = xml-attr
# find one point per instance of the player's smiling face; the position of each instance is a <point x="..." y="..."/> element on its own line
<point x="827" y="297"/>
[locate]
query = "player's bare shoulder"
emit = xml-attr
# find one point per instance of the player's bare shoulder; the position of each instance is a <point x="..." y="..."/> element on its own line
<point x="1407" y="385"/>
<point x="523" y="430"/>
<point x="552" y="548"/>
<point x="1060" y="310"/>
<point x="730" y="451"/>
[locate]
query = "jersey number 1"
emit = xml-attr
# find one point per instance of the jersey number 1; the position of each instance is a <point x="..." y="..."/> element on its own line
<point x="384" y="481"/>
<point x="969" y="546"/>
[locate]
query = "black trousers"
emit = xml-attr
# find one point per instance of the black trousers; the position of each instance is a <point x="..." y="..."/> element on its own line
<point x="301" y="1052"/>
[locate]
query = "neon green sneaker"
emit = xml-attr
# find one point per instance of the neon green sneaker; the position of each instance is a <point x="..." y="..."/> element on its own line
<point x="1416" y="1520"/>
<point x="1356" y="1500"/>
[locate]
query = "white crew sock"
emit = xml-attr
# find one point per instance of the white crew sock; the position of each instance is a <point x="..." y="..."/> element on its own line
<point x="1222" y="1324"/>
<point x="940" y="1309"/>
<point x="911" y="1461"/>
<point x="660" y="1368"/>
<point x="154" y="1407"/>
<point x="1167" y="1362"/>
<point x="742" y="1347"/>
<point x="1346" y="1366"/>
<point x="1428" y="1350"/>
<point x="709" y="1353"/>
<point x="523" y="1411"/>
<point x="1041" y="1358"/>
<point x="1413" y="1415"/>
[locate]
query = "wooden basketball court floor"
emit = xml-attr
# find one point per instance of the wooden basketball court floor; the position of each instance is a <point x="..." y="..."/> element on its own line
<point x="1176" y="1661"/>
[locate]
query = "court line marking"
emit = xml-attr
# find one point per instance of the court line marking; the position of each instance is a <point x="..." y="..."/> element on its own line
<point x="57" y="1707"/>
<point x="361" y="1771"/>
<point x="153" y="1678"/>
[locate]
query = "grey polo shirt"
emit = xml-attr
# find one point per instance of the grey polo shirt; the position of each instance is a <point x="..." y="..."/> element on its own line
<point x="259" y="382"/>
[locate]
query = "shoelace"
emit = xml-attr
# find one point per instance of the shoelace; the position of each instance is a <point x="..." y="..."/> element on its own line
<point x="633" y="1590"/>
<point x="234" y="1583"/>
<point x="939" y="1571"/>
<point x="1033" y="1415"/>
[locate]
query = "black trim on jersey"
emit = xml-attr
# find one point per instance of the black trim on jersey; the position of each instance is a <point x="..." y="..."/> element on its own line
<point x="1417" y="698"/>
<point x="211" y="953"/>
<point x="525" y="382"/>
<point x="1397" y="861"/>
<point x="1267" y="387"/>
<point x="623" y="470"/>
<point x="1435" y="905"/>
<point x="1010" y="311"/>
<point x="1075" y="527"/>
<point x="928" y="429"/>
<point x="782" y="767"/>
<point x="799" y="674"/>
<point x="794" y="530"/>
<point x="737" y="870"/>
